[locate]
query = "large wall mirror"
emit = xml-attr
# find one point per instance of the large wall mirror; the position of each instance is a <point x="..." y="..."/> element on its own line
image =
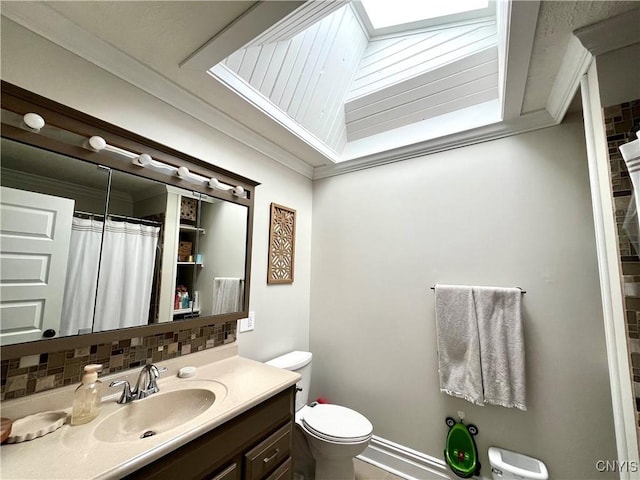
<point x="93" y="242"/>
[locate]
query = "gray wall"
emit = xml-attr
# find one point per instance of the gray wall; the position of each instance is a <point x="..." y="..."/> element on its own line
<point x="511" y="212"/>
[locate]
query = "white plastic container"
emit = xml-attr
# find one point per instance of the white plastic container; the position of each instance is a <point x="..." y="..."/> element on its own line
<point x="508" y="465"/>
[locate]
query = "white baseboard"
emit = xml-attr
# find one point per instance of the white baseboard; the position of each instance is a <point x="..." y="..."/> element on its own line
<point x="405" y="462"/>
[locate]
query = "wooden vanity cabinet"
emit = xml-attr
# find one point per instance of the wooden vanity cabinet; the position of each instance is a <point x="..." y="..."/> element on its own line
<point x="256" y="445"/>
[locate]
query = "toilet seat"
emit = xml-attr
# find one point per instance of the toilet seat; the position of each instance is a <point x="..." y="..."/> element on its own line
<point x="337" y="424"/>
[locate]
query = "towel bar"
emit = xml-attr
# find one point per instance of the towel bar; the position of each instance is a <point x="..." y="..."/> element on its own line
<point x="521" y="290"/>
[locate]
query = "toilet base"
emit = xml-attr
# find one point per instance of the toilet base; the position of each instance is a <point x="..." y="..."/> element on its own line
<point x="303" y="461"/>
<point x="334" y="461"/>
<point x="335" y="469"/>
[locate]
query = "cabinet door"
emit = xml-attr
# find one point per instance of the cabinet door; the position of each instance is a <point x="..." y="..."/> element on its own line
<point x="232" y="472"/>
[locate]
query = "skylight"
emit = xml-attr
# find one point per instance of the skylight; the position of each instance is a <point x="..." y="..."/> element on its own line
<point x="394" y="87"/>
<point x="387" y="13"/>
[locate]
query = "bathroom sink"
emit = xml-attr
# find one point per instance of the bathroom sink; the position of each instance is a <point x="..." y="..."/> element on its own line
<point x="160" y="412"/>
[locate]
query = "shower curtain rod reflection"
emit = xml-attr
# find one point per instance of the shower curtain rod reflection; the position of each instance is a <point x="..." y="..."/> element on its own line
<point x="141" y="221"/>
<point x="519" y="288"/>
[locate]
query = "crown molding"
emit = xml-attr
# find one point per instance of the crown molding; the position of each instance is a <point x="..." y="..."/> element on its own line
<point x="51" y="25"/>
<point x="27" y="180"/>
<point x="574" y="66"/>
<point x="525" y="123"/>
<point x="611" y="34"/>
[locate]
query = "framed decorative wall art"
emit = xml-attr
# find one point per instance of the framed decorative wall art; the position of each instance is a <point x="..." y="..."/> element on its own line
<point x="282" y="237"/>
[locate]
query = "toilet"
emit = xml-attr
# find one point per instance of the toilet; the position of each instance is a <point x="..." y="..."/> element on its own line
<point x="333" y="435"/>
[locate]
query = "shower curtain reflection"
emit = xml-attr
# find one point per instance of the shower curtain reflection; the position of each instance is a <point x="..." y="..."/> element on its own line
<point x="125" y="282"/>
<point x="82" y="275"/>
<point x="126" y="275"/>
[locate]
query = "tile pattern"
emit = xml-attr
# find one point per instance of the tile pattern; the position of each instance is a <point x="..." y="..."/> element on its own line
<point x="621" y="123"/>
<point x="28" y="375"/>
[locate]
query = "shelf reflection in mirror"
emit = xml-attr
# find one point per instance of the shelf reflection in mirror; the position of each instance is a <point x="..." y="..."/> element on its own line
<point x="221" y="256"/>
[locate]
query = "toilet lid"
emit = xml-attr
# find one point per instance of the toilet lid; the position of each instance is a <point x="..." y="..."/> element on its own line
<point x="336" y="423"/>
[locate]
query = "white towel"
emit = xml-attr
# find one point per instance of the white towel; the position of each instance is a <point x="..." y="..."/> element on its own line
<point x="226" y="295"/>
<point x="501" y="345"/>
<point x="481" y="344"/>
<point x="458" y="343"/>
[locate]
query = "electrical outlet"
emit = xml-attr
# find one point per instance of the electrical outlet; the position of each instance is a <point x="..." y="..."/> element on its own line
<point x="247" y="324"/>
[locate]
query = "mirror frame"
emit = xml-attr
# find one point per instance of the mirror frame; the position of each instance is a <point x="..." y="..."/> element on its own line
<point x="18" y="100"/>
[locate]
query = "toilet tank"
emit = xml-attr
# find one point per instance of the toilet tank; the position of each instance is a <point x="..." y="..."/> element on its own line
<point x="299" y="362"/>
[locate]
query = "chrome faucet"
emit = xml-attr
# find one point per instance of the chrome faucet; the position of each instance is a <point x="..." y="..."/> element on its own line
<point x="146" y="385"/>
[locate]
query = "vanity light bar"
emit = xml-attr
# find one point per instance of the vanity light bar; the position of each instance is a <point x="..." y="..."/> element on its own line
<point x="33" y="121"/>
<point x="185" y="174"/>
<point x="144" y="160"/>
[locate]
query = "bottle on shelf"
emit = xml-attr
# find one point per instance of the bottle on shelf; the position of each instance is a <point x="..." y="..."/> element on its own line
<point x="185" y="300"/>
<point x="182" y="298"/>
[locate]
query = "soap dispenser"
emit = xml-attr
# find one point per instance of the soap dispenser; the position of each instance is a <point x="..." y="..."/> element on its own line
<point x="88" y="396"/>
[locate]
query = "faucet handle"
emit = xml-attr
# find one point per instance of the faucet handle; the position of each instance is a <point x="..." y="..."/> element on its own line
<point x="148" y="380"/>
<point x="154" y="373"/>
<point x="127" y="395"/>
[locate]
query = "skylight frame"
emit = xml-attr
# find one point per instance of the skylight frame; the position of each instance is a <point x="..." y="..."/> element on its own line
<point x="440" y="130"/>
<point x="372" y="32"/>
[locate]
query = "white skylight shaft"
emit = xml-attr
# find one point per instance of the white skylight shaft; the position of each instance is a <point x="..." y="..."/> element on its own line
<point x="386" y="13"/>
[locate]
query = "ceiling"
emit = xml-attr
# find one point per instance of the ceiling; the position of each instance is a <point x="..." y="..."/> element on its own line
<point x="175" y="43"/>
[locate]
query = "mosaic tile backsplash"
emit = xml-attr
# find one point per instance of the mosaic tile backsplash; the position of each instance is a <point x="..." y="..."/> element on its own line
<point x="36" y="373"/>
<point x="621" y="123"/>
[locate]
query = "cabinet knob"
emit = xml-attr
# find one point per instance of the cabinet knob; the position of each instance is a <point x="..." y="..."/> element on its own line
<point x="48" y="333"/>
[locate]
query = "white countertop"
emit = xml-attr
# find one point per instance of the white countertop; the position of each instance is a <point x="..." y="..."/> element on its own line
<point x="74" y="452"/>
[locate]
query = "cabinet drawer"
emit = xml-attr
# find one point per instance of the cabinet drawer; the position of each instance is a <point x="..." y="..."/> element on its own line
<point x="264" y="457"/>
<point x="284" y="471"/>
<point x="229" y="473"/>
